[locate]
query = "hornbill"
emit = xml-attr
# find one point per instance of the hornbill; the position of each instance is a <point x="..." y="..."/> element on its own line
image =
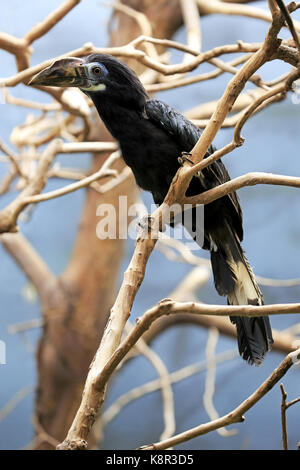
<point x="152" y="136"/>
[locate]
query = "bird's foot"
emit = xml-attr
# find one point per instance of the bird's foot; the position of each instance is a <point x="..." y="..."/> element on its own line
<point x="185" y="158"/>
<point x="146" y="222"/>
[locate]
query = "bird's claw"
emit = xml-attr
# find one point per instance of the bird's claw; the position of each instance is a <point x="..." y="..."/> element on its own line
<point x="185" y="158"/>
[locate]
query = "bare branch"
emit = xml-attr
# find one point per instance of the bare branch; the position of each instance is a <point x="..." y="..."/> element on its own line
<point x="250" y="179"/>
<point x="166" y="387"/>
<point x="283" y="418"/>
<point x="219" y="7"/>
<point x="31" y="193"/>
<point x="110" y="413"/>
<point x="31" y="263"/>
<point x="210" y="353"/>
<point x="284" y="406"/>
<point x="40" y="29"/>
<point x="14" y="401"/>
<point x="9" y="215"/>
<point x="235" y="415"/>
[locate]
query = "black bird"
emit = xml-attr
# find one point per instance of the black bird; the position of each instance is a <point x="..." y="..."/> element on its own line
<point x="152" y="136"/>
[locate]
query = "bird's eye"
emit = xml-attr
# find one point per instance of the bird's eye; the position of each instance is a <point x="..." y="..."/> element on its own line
<point x="97" y="70"/>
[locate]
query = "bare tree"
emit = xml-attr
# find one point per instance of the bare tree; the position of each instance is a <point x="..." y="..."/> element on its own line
<point x="76" y="307"/>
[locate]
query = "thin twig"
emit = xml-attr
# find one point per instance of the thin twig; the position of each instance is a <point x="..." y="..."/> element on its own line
<point x="110" y="413"/>
<point x="14" y="401"/>
<point x="210" y="353"/>
<point x="283" y="418"/>
<point x="236" y="415"/>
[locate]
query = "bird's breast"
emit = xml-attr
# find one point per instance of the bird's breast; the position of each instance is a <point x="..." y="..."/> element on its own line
<point x="153" y="158"/>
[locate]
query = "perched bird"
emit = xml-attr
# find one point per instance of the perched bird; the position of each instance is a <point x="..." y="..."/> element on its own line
<point x="152" y="136"/>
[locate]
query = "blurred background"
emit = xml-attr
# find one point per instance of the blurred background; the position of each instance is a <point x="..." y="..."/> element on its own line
<point x="272" y="244"/>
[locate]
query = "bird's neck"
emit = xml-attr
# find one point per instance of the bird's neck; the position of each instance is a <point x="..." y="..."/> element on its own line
<point x="120" y="119"/>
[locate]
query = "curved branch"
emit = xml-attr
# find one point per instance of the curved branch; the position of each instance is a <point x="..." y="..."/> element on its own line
<point x="249" y="179"/>
<point x="50" y="21"/>
<point x="31" y="264"/>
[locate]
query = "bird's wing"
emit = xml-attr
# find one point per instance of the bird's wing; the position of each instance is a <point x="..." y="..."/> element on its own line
<point x="186" y="134"/>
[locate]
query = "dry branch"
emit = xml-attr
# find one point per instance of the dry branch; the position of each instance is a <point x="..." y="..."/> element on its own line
<point x="42" y="28"/>
<point x="9" y="215"/>
<point x="110" y="413"/>
<point x="236" y="415"/>
<point x="32" y="265"/>
<point x="31" y="193"/>
<point x="219" y="7"/>
<point x="284" y="406"/>
<point x="103" y="367"/>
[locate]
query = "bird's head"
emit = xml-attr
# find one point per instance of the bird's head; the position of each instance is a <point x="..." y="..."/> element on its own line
<point x="96" y="74"/>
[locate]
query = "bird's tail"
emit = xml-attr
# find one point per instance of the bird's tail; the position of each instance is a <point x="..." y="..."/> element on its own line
<point x="234" y="278"/>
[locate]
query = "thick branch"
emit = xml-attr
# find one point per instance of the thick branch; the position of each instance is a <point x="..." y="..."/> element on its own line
<point x="33" y="266"/>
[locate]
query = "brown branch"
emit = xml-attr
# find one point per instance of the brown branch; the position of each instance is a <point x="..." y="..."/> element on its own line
<point x="88" y="48"/>
<point x="14" y="401"/>
<point x="191" y="21"/>
<point x="283" y="342"/>
<point x="219" y="7"/>
<point x="279" y="4"/>
<point x="21" y="47"/>
<point x="284" y="406"/>
<point x="31" y="193"/>
<point x="107" y="359"/>
<point x="11" y="44"/>
<point x="235" y="87"/>
<point x="149" y="387"/>
<point x="287" y="54"/>
<point x="236" y="415"/>
<point x="9" y="99"/>
<point x="249" y="179"/>
<point x="205" y="110"/>
<point x="283" y="418"/>
<point x="40" y="29"/>
<point x="130" y="51"/>
<point x="12" y="157"/>
<point x="31" y="264"/>
<point x="70" y="188"/>
<point x="171" y="84"/>
<point x="6" y="181"/>
<point x="276" y="94"/>
<point x="9" y="215"/>
<point x="93" y="395"/>
<point x="193" y="63"/>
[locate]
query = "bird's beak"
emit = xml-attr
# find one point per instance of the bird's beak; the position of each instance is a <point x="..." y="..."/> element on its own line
<point x="68" y="72"/>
